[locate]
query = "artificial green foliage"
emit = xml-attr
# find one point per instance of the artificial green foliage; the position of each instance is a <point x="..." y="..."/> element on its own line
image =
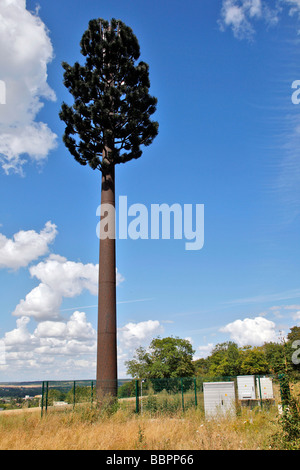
<point x="110" y="117"/>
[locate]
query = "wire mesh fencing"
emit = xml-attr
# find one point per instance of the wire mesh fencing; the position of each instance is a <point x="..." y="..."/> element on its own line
<point x="155" y="395"/>
<point x="159" y="395"/>
<point x="62" y="395"/>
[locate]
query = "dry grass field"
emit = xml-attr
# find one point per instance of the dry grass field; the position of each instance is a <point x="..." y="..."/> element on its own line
<point x="85" y="429"/>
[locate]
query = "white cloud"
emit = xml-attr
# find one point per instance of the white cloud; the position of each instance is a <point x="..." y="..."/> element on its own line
<point x="120" y="278"/>
<point x="51" y="329"/>
<point x="233" y="15"/>
<point x="255" y="8"/>
<point x="296" y="316"/>
<point x="62" y="349"/>
<point x="294" y="4"/>
<point x="240" y="14"/>
<point x="204" y="351"/>
<point x="67" y="277"/>
<point x="251" y="331"/>
<point x="133" y="335"/>
<point x="41" y="303"/>
<point x="25" y="246"/>
<point x="59" y="278"/>
<point x="25" y="52"/>
<point x="20" y="336"/>
<point x="76" y="335"/>
<point x="78" y="328"/>
<point x="45" y="350"/>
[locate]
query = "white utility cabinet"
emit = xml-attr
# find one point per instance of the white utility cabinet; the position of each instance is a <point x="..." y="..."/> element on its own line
<point x="264" y="388"/>
<point x="246" y="387"/>
<point x="219" y="398"/>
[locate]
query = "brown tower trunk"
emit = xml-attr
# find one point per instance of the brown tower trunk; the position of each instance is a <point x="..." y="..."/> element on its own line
<point x="107" y="328"/>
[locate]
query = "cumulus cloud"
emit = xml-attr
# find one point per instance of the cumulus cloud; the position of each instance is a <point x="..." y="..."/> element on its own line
<point x="133" y="335"/>
<point x="64" y="348"/>
<point x="25" y="52"/>
<point x="46" y="349"/>
<point x="76" y="336"/>
<point x="66" y="276"/>
<point x="251" y="331"/>
<point x="20" y="336"/>
<point x="204" y="351"/>
<point x="51" y="329"/>
<point x="25" y="246"/>
<point x="60" y="278"/>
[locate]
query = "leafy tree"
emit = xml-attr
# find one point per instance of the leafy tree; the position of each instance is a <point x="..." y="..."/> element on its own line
<point x="201" y="366"/>
<point x="294" y="334"/>
<point x="291" y="347"/>
<point x="55" y="395"/>
<point x="274" y="354"/>
<point x="224" y="360"/>
<point x="127" y="389"/>
<point x="106" y="125"/>
<point x="166" y="358"/>
<point x="254" y="362"/>
<point x="82" y="394"/>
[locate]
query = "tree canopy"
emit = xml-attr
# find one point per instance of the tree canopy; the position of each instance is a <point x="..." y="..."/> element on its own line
<point x="112" y="105"/>
<point x="227" y="359"/>
<point x="166" y="357"/>
<point x="173" y="357"/>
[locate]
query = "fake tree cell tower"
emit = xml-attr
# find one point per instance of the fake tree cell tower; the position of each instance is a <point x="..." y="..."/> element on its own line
<point x="107" y="123"/>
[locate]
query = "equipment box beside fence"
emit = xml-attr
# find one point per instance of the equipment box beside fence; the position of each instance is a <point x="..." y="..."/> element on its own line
<point x="219" y="398"/>
<point x="246" y="387"/>
<point x="264" y="387"/>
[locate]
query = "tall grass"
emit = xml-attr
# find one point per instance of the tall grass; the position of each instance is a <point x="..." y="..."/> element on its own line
<point x="87" y="429"/>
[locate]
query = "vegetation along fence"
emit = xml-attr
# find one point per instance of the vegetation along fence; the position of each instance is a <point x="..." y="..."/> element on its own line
<point x="154" y="395"/>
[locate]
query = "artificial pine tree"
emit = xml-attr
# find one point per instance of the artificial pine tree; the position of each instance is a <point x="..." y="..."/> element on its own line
<point x="106" y="125"/>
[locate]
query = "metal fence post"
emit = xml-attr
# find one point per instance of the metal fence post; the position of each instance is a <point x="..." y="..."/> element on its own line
<point x="92" y="393"/>
<point x="195" y="389"/>
<point x="46" y="404"/>
<point x="74" y="393"/>
<point x="182" y="397"/>
<point x="42" y="400"/>
<point x="259" y="387"/>
<point x="136" y="396"/>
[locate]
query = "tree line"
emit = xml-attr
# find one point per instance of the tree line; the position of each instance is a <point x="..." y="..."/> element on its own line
<point x="173" y="357"/>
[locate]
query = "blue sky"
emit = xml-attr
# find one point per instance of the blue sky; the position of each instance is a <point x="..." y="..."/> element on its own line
<point x="228" y="139"/>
